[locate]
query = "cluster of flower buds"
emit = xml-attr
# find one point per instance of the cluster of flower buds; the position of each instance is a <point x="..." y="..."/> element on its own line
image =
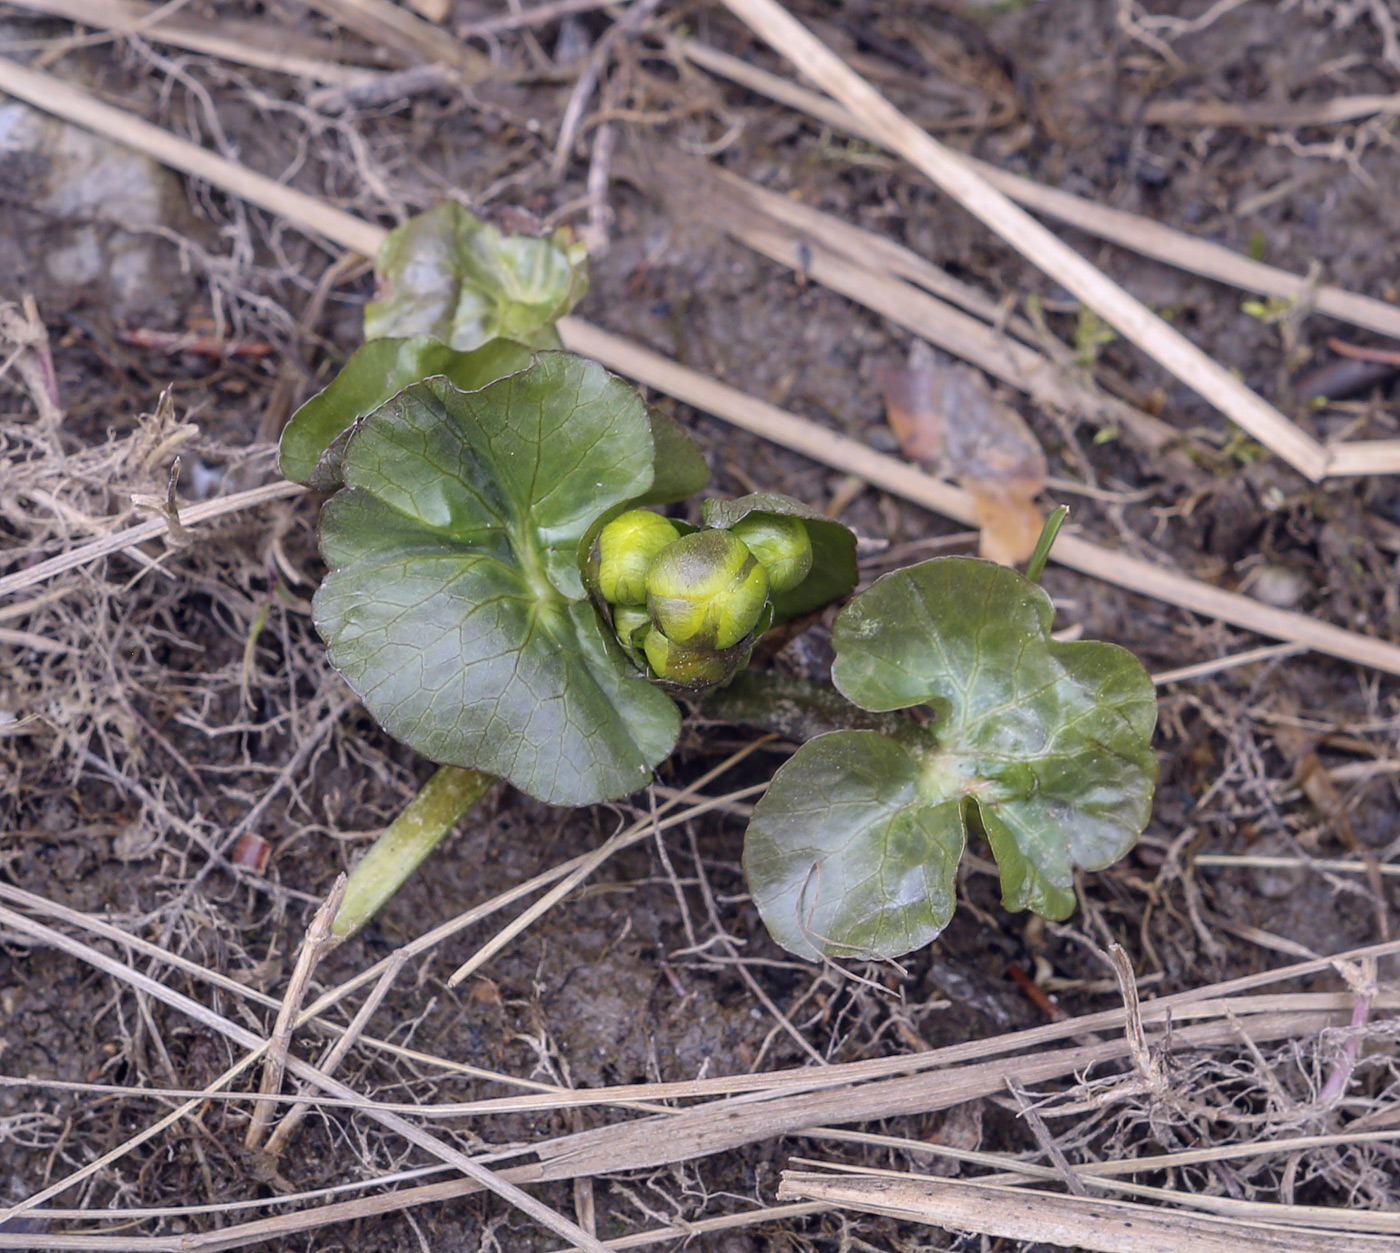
<point x="689" y="604"/>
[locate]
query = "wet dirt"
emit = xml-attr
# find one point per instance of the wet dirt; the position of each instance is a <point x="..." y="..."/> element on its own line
<point x="625" y="982"/>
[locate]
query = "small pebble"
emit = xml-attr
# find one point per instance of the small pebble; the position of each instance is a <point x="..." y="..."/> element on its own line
<point x="1276" y="585"/>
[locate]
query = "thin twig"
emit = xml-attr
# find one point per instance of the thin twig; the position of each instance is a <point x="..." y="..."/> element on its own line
<point x="1363" y="979"/>
<point x="1142" y="235"/>
<point x="1258" y="861"/>
<point x="331" y="1062"/>
<point x="478" y="1173"/>
<point x="1199" y="670"/>
<point x="124" y="18"/>
<point x="580" y="870"/>
<point x="316" y="944"/>
<point x="1063" y="1171"/>
<point x="202" y="512"/>
<point x="588" y="78"/>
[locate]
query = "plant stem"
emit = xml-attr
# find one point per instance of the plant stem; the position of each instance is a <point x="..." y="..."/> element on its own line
<point x="397" y="853"/>
<point x="796" y="708"/>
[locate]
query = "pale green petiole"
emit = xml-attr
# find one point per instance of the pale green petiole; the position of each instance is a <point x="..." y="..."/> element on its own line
<point x="440" y="804"/>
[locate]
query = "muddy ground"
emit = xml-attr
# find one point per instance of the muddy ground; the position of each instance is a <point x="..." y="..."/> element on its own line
<point x="154" y="709"/>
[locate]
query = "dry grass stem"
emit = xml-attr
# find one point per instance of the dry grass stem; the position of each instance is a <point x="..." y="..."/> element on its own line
<point x="1203" y="669"/>
<point x="317" y="942"/>
<point x="125" y="17"/>
<point x="24" y="343"/>
<point x="536" y="15"/>
<point x="54" y="95"/>
<point x="1285" y="116"/>
<point x="729" y="1124"/>
<point x="901" y="479"/>
<point x="193" y="514"/>
<point x="1046" y="1217"/>
<point x="1142" y="235"/>
<point x="727" y="402"/>
<point x="286" y="1128"/>
<point x="382" y="22"/>
<point x="1258" y="861"/>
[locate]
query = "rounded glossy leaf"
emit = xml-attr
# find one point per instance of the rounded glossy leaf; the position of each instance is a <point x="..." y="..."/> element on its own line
<point x="458" y="279"/>
<point x="1043" y="747"/>
<point x="833" y="570"/>
<point x="454" y="605"/>
<point x="376" y="371"/>
<point x="679" y="467"/>
<point x="847" y="855"/>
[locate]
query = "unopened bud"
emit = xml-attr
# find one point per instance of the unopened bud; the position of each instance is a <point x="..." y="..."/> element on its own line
<point x="626" y="620"/>
<point x="689" y="667"/>
<point x="624" y="551"/>
<point x="780" y="543"/>
<point x="706" y="590"/>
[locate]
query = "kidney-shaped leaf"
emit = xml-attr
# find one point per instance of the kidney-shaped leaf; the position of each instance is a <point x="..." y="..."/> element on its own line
<point x="833" y="572"/>
<point x="376" y="371"/>
<point x="1043" y="747"/>
<point x="448" y="274"/>
<point x="454" y="605"/>
<point x="845" y="856"/>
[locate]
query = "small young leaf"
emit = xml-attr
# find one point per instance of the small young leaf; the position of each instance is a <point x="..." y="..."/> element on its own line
<point x="454" y="605"/>
<point x="833" y="574"/>
<point x="1044" y="747"/>
<point x="376" y="371"/>
<point x="451" y="276"/>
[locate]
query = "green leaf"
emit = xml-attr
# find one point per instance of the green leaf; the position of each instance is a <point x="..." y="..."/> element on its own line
<point x="376" y="371"/>
<point x="680" y="468"/>
<point x="453" y="277"/>
<point x="454" y="605"/>
<point x="847" y="857"/>
<point x="1043" y="747"/>
<point x="833" y="573"/>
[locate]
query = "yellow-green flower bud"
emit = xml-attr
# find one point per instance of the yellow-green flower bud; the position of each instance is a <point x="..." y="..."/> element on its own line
<point x="626" y="619"/>
<point x="687" y="667"/>
<point x="706" y="590"/>
<point x="632" y="623"/>
<point x="781" y="544"/>
<point x="624" y="552"/>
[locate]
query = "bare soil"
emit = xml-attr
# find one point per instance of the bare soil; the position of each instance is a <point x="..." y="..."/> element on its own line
<point x="162" y="703"/>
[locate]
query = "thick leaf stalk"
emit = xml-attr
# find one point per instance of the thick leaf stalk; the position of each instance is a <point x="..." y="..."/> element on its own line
<point x="440" y="804"/>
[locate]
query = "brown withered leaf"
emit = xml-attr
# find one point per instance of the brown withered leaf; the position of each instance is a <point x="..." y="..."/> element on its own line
<point x="909" y="404"/>
<point x="947" y="413"/>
